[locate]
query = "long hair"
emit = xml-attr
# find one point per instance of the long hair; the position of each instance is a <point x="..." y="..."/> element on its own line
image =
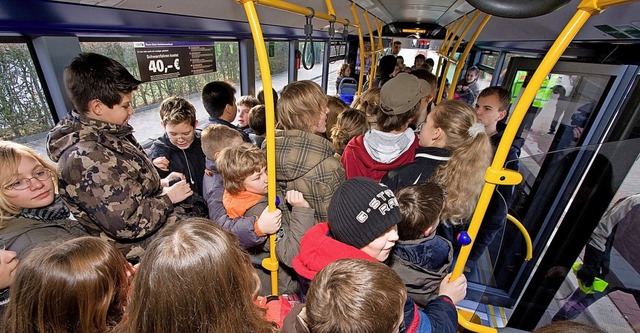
<point x="350" y="123"/>
<point x="10" y="155"/>
<point x="194" y="278"/>
<point x="76" y="286"/>
<point x="369" y="102"/>
<point x="462" y="176"/>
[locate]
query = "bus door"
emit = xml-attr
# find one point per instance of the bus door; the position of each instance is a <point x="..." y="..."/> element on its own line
<point x="575" y="153"/>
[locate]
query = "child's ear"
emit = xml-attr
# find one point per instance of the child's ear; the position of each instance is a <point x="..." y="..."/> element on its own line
<point x="428" y="231"/>
<point x="215" y="155"/>
<point x="195" y="125"/>
<point x="94" y="107"/>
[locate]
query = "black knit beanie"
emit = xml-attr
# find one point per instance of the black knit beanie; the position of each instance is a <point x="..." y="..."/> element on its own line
<point x="361" y="210"/>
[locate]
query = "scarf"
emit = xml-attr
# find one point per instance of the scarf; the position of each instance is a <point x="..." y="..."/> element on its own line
<point x="55" y="211"/>
<point x="386" y="147"/>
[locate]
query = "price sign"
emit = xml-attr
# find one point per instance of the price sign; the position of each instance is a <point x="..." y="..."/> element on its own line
<point x="168" y="60"/>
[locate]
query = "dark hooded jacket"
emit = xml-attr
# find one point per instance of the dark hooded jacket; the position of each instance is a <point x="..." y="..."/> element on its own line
<point x="190" y="162"/>
<point x="422" y="264"/>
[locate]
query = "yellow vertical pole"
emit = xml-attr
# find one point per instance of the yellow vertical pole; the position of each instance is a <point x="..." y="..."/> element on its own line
<point x="447" y="51"/>
<point x="330" y="9"/>
<point x="270" y="263"/>
<point x="447" y="34"/>
<point x="496" y="168"/>
<point x="464" y="55"/>
<point x="374" y="64"/>
<point x="361" y="41"/>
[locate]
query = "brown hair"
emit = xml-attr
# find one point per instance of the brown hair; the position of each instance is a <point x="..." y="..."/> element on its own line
<point x="349" y="124"/>
<point x="300" y="106"/>
<point x="177" y="110"/>
<point x="504" y="97"/>
<point x="258" y="119"/>
<point x="462" y="176"/>
<point x="77" y="286"/>
<point x="369" y="103"/>
<point x="343" y="69"/>
<point x="420" y="206"/>
<point x="237" y="163"/>
<point x="336" y="106"/>
<point x="388" y="123"/>
<point x="352" y="295"/>
<point x="11" y="154"/>
<point x="194" y="277"/>
<point x="216" y="137"/>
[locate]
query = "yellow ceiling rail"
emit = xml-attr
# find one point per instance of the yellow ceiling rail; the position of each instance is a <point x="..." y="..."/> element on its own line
<point x="361" y="42"/>
<point x="464" y="55"/>
<point x="447" y="52"/>
<point x="283" y="5"/>
<point x="330" y="11"/>
<point x="270" y="263"/>
<point x="496" y="174"/>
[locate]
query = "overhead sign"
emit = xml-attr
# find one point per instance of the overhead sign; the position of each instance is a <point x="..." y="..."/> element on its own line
<point x="414" y="31"/>
<point x="168" y="60"/>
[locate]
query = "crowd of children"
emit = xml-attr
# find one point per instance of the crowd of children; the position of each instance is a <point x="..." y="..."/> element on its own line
<point x="370" y="198"/>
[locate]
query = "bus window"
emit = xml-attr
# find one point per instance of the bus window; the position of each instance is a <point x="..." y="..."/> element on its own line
<point x="278" y="53"/>
<point x="24" y="113"/>
<point x="147" y="98"/>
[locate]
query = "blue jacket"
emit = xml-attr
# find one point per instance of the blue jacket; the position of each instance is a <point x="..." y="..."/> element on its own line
<point x="422" y="264"/>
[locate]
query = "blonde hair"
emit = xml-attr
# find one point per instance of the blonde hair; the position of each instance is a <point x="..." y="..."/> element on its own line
<point x="177" y="110"/>
<point x="235" y="164"/>
<point x="11" y="154"/>
<point x="300" y="106"/>
<point x="369" y="103"/>
<point x="77" y="286"/>
<point x="349" y="124"/>
<point x="194" y="278"/>
<point x="216" y="137"/>
<point x="462" y="177"/>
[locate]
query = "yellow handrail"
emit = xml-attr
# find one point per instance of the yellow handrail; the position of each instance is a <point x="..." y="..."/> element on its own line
<point x="441" y="51"/>
<point x="464" y="55"/>
<point x="361" y="41"/>
<point x="495" y="174"/>
<point x="283" y="5"/>
<point x="374" y="64"/>
<point x="448" y="51"/>
<point x="270" y="263"/>
<point x="525" y="234"/>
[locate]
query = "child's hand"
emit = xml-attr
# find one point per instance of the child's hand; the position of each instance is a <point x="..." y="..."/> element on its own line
<point x="178" y="191"/>
<point x="269" y="222"/>
<point x="296" y="199"/>
<point x="166" y="180"/>
<point x="456" y="289"/>
<point x="161" y="163"/>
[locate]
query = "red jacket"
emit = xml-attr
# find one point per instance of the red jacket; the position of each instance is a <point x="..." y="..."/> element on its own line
<point x="358" y="163"/>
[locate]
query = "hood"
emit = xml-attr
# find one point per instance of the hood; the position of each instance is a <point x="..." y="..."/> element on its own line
<point x="298" y="152"/>
<point x="164" y="143"/>
<point x="318" y="249"/>
<point x="357" y="146"/>
<point x="431" y="252"/>
<point x="77" y="128"/>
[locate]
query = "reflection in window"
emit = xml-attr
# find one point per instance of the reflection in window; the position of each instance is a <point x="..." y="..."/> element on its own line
<point x="146" y="120"/>
<point x="24" y="112"/>
<point x="278" y="53"/>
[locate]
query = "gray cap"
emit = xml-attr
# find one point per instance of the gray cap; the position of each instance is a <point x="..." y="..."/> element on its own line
<point x="402" y="93"/>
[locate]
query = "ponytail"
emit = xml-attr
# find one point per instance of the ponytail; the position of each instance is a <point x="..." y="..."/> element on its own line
<point x="462" y="176"/>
